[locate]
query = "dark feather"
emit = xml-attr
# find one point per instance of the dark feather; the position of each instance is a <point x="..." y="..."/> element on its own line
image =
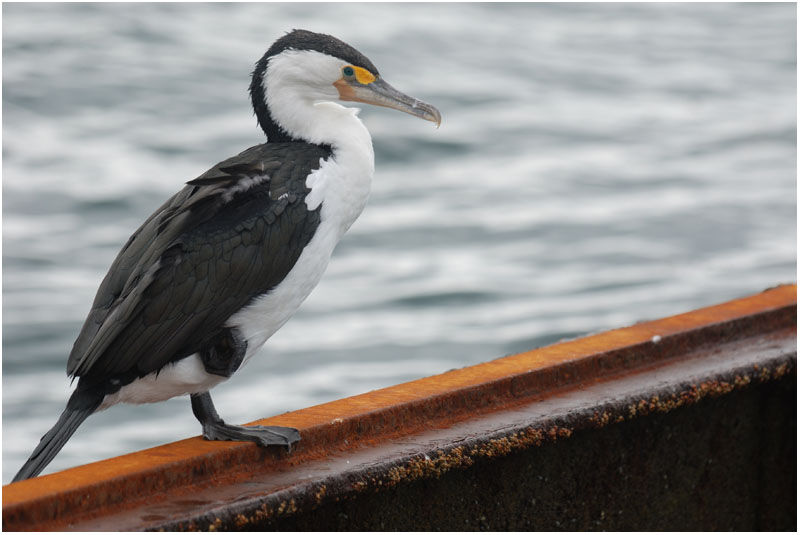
<point x="197" y="260"/>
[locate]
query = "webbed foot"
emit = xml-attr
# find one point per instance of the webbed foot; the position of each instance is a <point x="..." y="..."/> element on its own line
<point x="263" y="435"/>
<point x="214" y="428"/>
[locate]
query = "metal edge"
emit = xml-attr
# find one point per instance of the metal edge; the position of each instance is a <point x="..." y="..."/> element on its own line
<point x="402" y="409"/>
<point x="253" y="513"/>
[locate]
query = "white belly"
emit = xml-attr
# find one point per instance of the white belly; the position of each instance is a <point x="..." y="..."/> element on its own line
<point x="187" y="376"/>
<point x="266" y="314"/>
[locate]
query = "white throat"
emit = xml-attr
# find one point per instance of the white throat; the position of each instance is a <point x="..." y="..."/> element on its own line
<point x="300" y="96"/>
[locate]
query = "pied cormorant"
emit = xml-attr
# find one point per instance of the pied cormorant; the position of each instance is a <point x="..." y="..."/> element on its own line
<point x="224" y="263"/>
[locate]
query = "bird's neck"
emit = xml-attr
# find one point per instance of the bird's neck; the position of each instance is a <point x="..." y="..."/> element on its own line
<point x="324" y="123"/>
<point x="344" y="183"/>
<point x="292" y="118"/>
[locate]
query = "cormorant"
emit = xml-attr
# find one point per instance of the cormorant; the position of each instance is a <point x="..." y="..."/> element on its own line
<point x="225" y="262"/>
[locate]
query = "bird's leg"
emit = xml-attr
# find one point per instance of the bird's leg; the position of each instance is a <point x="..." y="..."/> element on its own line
<point x="216" y="429"/>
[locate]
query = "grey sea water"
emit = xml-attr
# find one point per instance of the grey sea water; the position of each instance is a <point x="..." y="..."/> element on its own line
<point x="597" y="165"/>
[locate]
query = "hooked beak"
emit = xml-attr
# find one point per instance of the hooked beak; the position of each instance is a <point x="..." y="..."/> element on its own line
<point x="380" y="93"/>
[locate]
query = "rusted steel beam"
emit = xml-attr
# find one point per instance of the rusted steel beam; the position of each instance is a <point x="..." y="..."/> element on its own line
<point x="384" y="442"/>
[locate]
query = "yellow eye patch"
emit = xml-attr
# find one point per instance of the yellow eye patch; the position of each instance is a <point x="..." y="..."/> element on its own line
<point x="362" y="75"/>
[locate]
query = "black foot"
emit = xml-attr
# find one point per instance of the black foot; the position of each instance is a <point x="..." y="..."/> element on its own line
<point x="215" y="429"/>
<point x="262" y="435"/>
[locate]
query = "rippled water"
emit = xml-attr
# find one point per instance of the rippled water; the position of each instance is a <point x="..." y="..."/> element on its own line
<point x="597" y="165"/>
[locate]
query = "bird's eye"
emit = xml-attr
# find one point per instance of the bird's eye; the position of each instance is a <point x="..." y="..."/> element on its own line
<point x="357" y="74"/>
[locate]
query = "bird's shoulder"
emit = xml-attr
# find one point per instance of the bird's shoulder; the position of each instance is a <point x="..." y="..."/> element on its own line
<point x="243" y="219"/>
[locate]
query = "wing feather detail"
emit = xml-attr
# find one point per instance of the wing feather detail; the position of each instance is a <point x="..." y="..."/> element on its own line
<point x="231" y="234"/>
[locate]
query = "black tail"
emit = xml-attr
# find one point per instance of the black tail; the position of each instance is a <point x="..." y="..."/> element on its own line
<point x="81" y="404"/>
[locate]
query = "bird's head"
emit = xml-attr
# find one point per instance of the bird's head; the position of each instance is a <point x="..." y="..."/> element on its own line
<point x="303" y="69"/>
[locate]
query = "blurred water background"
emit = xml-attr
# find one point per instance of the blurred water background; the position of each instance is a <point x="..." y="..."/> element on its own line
<point x="597" y="165"/>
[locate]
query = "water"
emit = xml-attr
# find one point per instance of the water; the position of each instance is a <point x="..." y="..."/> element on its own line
<point x="597" y="165"/>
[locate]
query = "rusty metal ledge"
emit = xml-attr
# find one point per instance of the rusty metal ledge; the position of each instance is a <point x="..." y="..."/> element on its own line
<point x="385" y="441"/>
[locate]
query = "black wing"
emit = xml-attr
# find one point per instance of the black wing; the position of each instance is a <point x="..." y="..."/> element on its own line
<point x="229" y="235"/>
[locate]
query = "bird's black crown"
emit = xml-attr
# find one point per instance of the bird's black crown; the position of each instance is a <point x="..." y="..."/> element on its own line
<point x="320" y="42"/>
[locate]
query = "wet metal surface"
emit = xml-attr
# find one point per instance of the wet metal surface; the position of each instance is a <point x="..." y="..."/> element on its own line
<point x="379" y="445"/>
